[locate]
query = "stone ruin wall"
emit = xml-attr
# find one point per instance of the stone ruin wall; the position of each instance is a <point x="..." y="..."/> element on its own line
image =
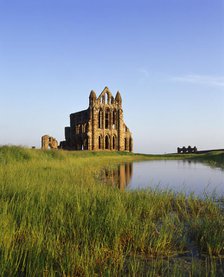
<point x="100" y="127"/>
<point x="48" y="142"/>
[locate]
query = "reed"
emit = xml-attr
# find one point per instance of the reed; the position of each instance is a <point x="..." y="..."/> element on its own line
<point x="57" y="219"/>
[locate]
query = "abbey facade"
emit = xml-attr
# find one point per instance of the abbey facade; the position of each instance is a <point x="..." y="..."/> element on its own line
<point x="100" y="127"/>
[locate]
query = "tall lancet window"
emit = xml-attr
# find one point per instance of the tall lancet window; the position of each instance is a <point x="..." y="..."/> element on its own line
<point x="114" y="119"/>
<point x="107" y="142"/>
<point x="100" y="119"/>
<point x="99" y="142"/>
<point x="107" y="119"/>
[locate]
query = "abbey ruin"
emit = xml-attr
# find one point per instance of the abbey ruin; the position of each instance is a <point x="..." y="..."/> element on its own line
<point x="100" y="127"/>
<point x="48" y="142"/>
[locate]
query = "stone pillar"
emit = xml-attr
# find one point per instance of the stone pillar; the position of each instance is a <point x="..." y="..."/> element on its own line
<point x="89" y="133"/>
<point x="45" y="142"/>
<point x="120" y="130"/>
<point x="131" y="144"/>
<point x="94" y="119"/>
<point x="95" y="127"/>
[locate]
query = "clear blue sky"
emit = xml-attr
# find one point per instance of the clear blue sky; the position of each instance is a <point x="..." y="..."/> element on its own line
<point x="166" y="57"/>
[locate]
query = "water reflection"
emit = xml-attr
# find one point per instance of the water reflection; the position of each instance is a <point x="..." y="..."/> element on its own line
<point x="118" y="177"/>
<point x="178" y="175"/>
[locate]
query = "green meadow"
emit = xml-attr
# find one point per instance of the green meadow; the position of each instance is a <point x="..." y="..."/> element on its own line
<point x="58" y="219"/>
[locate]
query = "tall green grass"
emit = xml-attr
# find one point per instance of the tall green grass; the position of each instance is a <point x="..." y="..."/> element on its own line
<point x="57" y="219"/>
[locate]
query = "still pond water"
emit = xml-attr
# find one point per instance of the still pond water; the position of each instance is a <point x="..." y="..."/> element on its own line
<point x="177" y="175"/>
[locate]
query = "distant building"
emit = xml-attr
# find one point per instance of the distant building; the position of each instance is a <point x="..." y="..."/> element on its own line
<point x="100" y="127"/>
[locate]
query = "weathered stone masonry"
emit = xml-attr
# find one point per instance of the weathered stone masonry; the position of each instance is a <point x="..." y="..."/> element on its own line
<point x="100" y="127"/>
<point x="48" y="142"/>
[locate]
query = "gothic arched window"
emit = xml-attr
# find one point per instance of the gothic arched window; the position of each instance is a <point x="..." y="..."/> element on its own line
<point x="100" y="119"/>
<point x="107" y="142"/>
<point x="99" y="146"/>
<point x="107" y="119"/>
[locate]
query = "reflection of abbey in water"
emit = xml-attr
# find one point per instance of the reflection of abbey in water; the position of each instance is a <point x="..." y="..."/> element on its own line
<point x="119" y="177"/>
<point x="100" y="127"/>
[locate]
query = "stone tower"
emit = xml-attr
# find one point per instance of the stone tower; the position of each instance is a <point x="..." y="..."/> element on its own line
<point x="100" y="127"/>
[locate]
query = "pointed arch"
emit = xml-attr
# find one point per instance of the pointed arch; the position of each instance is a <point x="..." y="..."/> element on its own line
<point x="107" y="142"/>
<point x="106" y="98"/>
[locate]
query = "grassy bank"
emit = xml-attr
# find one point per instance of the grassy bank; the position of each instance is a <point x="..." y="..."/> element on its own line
<point x="215" y="159"/>
<point x="57" y="219"/>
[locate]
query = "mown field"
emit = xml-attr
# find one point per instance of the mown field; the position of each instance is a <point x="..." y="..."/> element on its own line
<point x="58" y="219"/>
